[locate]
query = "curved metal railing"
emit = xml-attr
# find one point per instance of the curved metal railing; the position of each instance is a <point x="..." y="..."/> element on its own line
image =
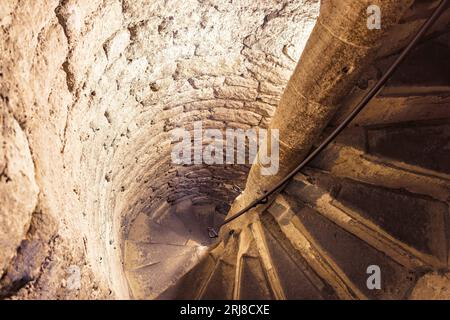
<point x="213" y="233"/>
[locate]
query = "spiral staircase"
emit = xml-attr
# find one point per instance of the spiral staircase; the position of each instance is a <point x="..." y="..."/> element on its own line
<point x="354" y="207"/>
<point x="378" y="195"/>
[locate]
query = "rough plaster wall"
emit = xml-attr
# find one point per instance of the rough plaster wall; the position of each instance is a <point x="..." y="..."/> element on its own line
<point x="90" y="91"/>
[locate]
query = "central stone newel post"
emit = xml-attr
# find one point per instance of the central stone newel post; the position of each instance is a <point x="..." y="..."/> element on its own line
<point x="340" y="49"/>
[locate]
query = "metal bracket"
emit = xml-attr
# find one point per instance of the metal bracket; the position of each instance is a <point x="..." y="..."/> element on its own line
<point x="212" y="233"/>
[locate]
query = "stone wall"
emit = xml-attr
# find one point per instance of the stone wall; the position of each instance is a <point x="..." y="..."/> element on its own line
<point x="90" y="91"/>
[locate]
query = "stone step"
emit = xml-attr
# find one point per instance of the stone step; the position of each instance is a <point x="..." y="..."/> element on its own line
<point x="287" y="280"/>
<point x="218" y="219"/>
<point x="143" y="229"/>
<point x="416" y="90"/>
<point x="141" y="254"/>
<point x="425" y="70"/>
<point x="250" y="279"/>
<point x="410" y="228"/>
<point x="195" y="224"/>
<point x="220" y="284"/>
<point x="160" y="211"/>
<point x="339" y="249"/>
<point x="192" y="285"/>
<point x="267" y="261"/>
<point x="310" y="253"/>
<point x="279" y="245"/>
<point x="150" y="281"/>
<point x="196" y="229"/>
<point x="172" y="222"/>
<point x="384" y="110"/>
<point x="205" y="213"/>
<point x="348" y="162"/>
<point x="140" y="228"/>
<point x="252" y="282"/>
<point x="420" y="146"/>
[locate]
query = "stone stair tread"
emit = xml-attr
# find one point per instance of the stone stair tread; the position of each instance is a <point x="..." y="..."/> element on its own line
<point x="349" y="162"/>
<point x="418" y="90"/>
<point x="295" y="283"/>
<point x="218" y="219"/>
<point x="139" y="227"/>
<point x="170" y="293"/>
<point x="150" y="281"/>
<point x="139" y="254"/>
<point x="196" y="229"/>
<point x="205" y="213"/>
<point x="172" y="222"/>
<point x="417" y="221"/>
<point x="160" y="234"/>
<point x="397" y="108"/>
<point x="160" y="211"/>
<point x="253" y="283"/>
<point x="340" y="248"/>
<point x="220" y="284"/>
<point x="251" y="279"/>
<point x="423" y="144"/>
<point x="189" y="286"/>
<point x="417" y="146"/>
<point x="145" y="230"/>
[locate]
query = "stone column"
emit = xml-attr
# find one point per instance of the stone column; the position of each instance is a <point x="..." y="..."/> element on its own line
<point x="339" y="49"/>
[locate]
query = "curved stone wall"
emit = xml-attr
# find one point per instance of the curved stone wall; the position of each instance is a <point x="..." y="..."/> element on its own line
<point x="90" y="94"/>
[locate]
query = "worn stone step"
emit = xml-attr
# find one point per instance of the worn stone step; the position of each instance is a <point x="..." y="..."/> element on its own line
<point x="310" y="253"/>
<point x="314" y="272"/>
<point x="426" y="69"/>
<point x="197" y="232"/>
<point x="150" y="281"/>
<point x="415" y="145"/>
<point x="205" y="212"/>
<point x="349" y="256"/>
<point x="191" y="284"/>
<point x="140" y="254"/>
<point x="403" y="221"/>
<point x="143" y="229"/>
<point x="423" y="144"/>
<point x="156" y="233"/>
<point x="348" y="162"/>
<point x="140" y="228"/>
<point x="220" y="284"/>
<point x="287" y="280"/>
<point x="251" y="281"/>
<point x="416" y="90"/>
<point x="195" y="225"/>
<point x="267" y="261"/>
<point x="323" y="202"/>
<point x="384" y="110"/>
<point x="218" y="219"/>
<point x="160" y="211"/>
<point x="172" y="222"/>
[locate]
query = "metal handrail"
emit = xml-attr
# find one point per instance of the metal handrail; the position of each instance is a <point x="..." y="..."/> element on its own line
<point x="213" y="233"/>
